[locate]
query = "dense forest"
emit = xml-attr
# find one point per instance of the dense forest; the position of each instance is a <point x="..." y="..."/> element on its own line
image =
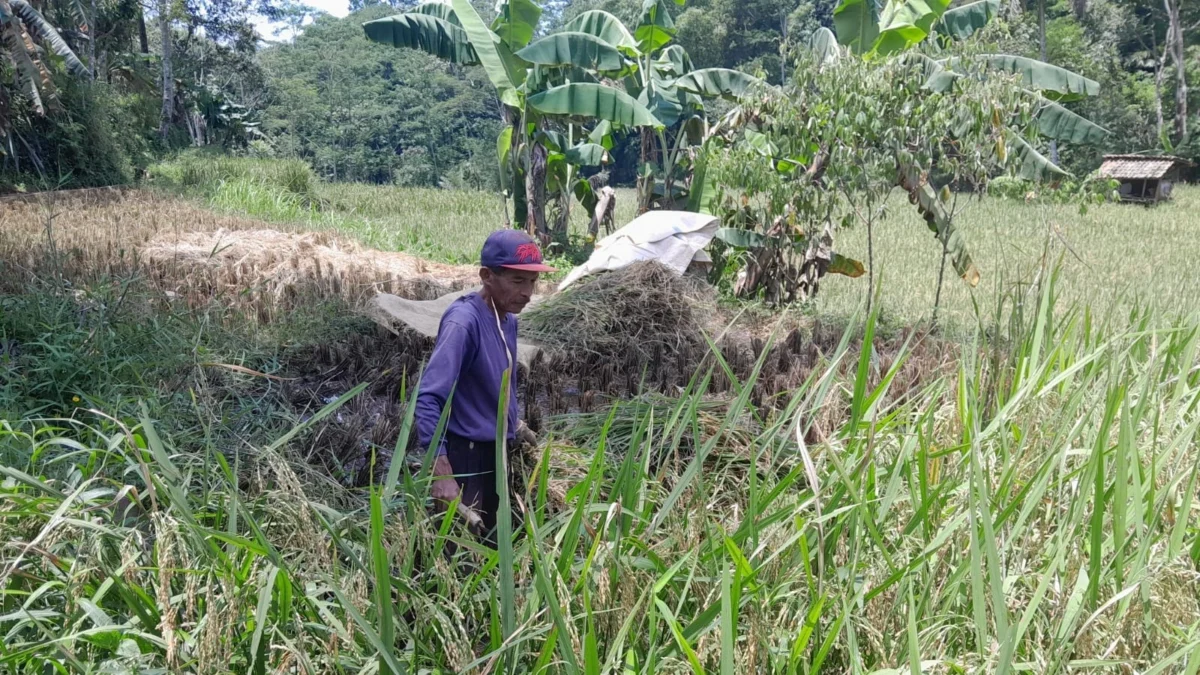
<point x="91" y="92"/>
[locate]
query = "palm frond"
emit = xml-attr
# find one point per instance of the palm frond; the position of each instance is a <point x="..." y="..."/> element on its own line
<point x="32" y="75"/>
<point x="40" y="28"/>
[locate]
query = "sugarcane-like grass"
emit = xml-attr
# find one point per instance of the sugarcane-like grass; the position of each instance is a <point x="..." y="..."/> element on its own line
<point x="1032" y="509"/>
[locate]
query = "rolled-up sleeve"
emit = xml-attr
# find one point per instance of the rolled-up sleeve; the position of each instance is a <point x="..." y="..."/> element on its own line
<point x="438" y="381"/>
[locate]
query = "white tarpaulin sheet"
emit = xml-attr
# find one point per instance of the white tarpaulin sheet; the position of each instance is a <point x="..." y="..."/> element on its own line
<point x="673" y="238"/>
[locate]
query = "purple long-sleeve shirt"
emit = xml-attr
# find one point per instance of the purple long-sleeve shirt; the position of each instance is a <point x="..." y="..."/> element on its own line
<point x="471" y="352"/>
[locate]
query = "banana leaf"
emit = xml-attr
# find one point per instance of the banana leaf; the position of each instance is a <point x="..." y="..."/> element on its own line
<point x="605" y="26"/>
<point x="540" y="78"/>
<point x="824" y="46"/>
<point x="555" y="141"/>
<point x="673" y="62"/>
<point x="948" y="233"/>
<point x="557" y="170"/>
<point x="762" y="143"/>
<point x="740" y="238"/>
<point x="938" y="77"/>
<point x="847" y="267"/>
<point x="1056" y="121"/>
<point x="602" y="134"/>
<point x="595" y="101"/>
<point x="516" y="22"/>
<point x="713" y="82"/>
<point x="441" y="10"/>
<point x="666" y="102"/>
<point x="501" y="66"/>
<point x="1044" y="77"/>
<point x="1031" y="164"/>
<point x="586" y="197"/>
<point x="503" y="152"/>
<point x="574" y="49"/>
<point x="35" y="78"/>
<point x="430" y="34"/>
<point x="857" y="24"/>
<point x="586" y="154"/>
<point x="703" y="188"/>
<point x="962" y="22"/>
<point x="905" y="23"/>
<point x="747" y="239"/>
<point x="657" y="27"/>
<point x="38" y="27"/>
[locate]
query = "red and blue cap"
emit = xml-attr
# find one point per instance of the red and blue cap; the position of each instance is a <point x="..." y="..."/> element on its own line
<point x="514" y="250"/>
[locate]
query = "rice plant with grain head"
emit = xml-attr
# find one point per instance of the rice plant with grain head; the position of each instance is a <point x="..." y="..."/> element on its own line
<point x="1031" y="508"/>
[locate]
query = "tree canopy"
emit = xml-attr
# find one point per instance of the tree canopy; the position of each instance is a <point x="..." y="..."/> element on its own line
<point x="362" y="111"/>
<point x="95" y="90"/>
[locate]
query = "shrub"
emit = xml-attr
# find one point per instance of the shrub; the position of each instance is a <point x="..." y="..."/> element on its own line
<point x="207" y="172"/>
<point x="86" y="139"/>
<point x="1092" y="189"/>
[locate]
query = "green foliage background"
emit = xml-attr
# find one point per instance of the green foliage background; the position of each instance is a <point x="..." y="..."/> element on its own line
<point x="360" y="111"/>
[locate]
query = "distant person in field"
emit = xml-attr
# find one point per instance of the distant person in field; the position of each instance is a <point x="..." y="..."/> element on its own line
<point x="476" y="343"/>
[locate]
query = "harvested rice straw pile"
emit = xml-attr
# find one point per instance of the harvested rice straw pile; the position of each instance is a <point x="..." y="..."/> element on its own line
<point x="644" y="309"/>
<point x="284" y="266"/>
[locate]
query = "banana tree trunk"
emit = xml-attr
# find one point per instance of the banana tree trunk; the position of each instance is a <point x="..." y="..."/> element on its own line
<point x="1160" y="67"/>
<point x="562" y="218"/>
<point x="535" y="194"/>
<point x="562" y="211"/>
<point x="143" y="40"/>
<point x="1042" y="56"/>
<point x="1175" y="45"/>
<point x="645" y="183"/>
<point x="168" y="78"/>
<point x="91" y="33"/>
<point x="603" y="213"/>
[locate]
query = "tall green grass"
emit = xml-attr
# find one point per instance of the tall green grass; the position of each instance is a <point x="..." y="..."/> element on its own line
<point x="1030" y="511"/>
<point x="205" y="172"/>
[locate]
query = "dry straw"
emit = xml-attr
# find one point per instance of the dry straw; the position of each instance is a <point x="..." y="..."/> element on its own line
<point x="643" y="309"/>
<point x="198" y="256"/>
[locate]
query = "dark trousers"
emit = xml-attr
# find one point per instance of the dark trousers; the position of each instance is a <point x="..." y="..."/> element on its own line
<point x="474" y="465"/>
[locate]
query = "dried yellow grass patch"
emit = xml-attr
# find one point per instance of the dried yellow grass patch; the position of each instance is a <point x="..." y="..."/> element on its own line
<point x="286" y="266"/>
<point x="199" y="255"/>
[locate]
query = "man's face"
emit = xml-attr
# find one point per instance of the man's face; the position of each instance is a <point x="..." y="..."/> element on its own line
<point x="511" y="290"/>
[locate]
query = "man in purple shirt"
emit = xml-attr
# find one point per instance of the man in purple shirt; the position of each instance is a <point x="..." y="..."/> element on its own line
<point x="476" y="343"/>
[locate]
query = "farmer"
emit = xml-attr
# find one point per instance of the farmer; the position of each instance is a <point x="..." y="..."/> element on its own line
<point x="476" y="343"/>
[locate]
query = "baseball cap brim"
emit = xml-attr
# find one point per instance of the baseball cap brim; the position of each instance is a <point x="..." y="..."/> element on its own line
<point x="537" y="267"/>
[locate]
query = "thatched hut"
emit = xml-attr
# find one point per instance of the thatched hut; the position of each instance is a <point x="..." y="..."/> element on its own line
<point x="1144" y="179"/>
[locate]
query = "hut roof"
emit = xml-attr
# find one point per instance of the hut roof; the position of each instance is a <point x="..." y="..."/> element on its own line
<point x="1138" y="167"/>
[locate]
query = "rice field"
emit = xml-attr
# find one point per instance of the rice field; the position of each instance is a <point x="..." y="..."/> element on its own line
<point x="1113" y="256"/>
<point x="1027" y="504"/>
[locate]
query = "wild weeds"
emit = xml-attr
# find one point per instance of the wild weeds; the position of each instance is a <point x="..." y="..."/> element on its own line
<point x="1030" y="510"/>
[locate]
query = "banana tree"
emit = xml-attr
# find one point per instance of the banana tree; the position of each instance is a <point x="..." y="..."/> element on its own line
<point x="22" y="28"/>
<point x="454" y="31"/>
<point x="658" y="76"/>
<point x="564" y="94"/>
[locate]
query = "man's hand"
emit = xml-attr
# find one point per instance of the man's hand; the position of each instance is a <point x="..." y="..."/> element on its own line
<point x="445" y="488"/>
<point x="525" y="437"/>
